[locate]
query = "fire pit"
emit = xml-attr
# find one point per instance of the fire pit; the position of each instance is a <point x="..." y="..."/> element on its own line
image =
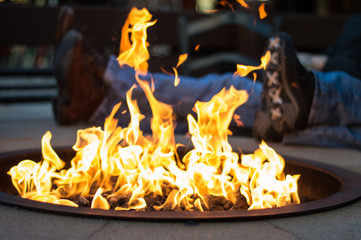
<point x="118" y="172"/>
<point x="321" y="187"/>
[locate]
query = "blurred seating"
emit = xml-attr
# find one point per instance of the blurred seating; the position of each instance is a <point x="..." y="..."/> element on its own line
<point x="225" y="39"/>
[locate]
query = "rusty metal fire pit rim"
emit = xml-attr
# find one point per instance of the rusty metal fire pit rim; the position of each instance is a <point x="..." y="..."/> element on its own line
<point x="171" y="216"/>
<point x="349" y="192"/>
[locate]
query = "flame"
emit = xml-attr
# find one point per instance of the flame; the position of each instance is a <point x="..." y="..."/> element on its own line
<point x="225" y="3"/>
<point x="181" y="60"/>
<point x="269" y="187"/>
<point x="243" y="3"/>
<point x="243" y="70"/>
<point x="99" y="201"/>
<point x="134" y="51"/>
<point x="116" y="164"/>
<point x="238" y="121"/>
<point x="176" y="78"/>
<point x="262" y="11"/>
<point x="141" y="166"/>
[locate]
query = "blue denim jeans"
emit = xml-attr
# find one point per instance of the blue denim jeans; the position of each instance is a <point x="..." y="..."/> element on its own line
<point x="334" y="120"/>
<point x="182" y="98"/>
<point x="335" y="115"/>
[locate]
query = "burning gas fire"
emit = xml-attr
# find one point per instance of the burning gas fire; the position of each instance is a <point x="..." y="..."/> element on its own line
<point x="116" y="163"/>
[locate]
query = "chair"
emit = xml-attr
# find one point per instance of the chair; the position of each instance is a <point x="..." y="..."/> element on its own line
<point x="225" y="39"/>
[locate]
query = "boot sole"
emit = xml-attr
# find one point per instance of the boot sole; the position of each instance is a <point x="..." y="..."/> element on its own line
<point x="282" y="95"/>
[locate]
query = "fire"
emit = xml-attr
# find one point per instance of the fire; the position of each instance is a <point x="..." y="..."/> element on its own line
<point x="243" y="3"/>
<point x="181" y="60"/>
<point x="115" y="163"/>
<point x="134" y="51"/>
<point x="243" y="70"/>
<point x="262" y="11"/>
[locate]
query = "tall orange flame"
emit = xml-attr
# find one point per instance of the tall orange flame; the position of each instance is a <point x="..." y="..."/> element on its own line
<point x="134" y="51"/>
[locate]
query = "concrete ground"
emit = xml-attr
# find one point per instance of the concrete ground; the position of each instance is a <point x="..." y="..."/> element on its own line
<point x="22" y="126"/>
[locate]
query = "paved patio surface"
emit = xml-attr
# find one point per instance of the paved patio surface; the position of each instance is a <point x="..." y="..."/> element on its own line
<point x="22" y="126"/>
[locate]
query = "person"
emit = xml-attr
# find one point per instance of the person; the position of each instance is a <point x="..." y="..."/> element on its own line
<point x="292" y="105"/>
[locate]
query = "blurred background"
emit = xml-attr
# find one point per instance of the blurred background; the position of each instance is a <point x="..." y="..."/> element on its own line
<point x="227" y="33"/>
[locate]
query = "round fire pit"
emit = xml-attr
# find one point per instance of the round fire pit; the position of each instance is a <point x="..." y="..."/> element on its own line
<point x="321" y="187"/>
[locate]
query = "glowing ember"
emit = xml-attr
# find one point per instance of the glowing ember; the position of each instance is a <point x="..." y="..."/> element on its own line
<point x="122" y="165"/>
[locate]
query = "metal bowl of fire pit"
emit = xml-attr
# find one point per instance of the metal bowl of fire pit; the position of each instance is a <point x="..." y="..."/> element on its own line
<point x="321" y="187"/>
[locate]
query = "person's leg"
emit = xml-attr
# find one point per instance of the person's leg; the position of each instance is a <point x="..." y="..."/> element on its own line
<point x="326" y="136"/>
<point x="337" y="100"/>
<point x="82" y="76"/>
<point x="289" y="86"/>
<point x="78" y="71"/>
<point x="182" y="97"/>
<point x="329" y="115"/>
<point x="335" y="114"/>
<point x="287" y="92"/>
<point x="89" y="87"/>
